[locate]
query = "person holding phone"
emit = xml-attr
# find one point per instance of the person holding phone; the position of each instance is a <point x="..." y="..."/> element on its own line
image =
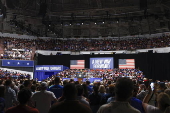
<point x="163" y="103"/>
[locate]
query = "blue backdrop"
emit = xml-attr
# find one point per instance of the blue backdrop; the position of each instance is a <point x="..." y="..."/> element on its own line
<point x="42" y="72"/>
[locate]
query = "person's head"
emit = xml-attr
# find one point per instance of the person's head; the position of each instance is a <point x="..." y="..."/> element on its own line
<point x="79" y="90"/>
<point x="123" y="89"/>
<point x="112" y="89"/>
<point x="43" y="86"/>
<point x="76" y="82"/>
<point x="167" y="91"/>
<point x="135" y="91"/>
<point x="109" y="82"/>
<point x="57" y="80"/>
<point x="2" y="91"/>
<point x="24" y="96"/>
<point x="71" y="81"/>
<point x="162" y="86"/>
<point x="142" y="86"/>
<point x="33" y="88"/>
<point x="8" y="82"/>
<point x="87" y="82"/>
<point x="70" y="91"/>
<point x="21" y="87"/>
<point x="102" y="89"/>
<point x="96" y="89"/>
<point x="65" y="82"/>
<point x="27" y="84"/>
<point x="1" y="82"/>
<point x="163" y="101"/>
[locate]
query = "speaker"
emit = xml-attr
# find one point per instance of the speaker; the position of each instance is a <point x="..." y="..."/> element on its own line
<point x="143" y="4"/>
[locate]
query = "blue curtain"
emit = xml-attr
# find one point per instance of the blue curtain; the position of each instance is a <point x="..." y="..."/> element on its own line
<point x="40" y="75"/>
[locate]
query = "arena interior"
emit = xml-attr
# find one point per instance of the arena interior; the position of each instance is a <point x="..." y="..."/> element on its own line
<point x="88" y="56"/>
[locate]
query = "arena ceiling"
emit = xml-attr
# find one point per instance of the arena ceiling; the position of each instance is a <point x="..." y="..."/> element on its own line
<point x="85" y="18"/>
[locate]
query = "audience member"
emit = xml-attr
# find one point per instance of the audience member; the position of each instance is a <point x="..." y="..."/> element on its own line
<point x="80" y="95"/>
<point x="163" y="103"/>
<point x="95" y="99"/>
<point x="43" y="98"/>
<point x="2" y="100"/>
<point x="24" y="96"/>
<point x="10" y="95"/>
<point x="123" y="92"/>
<point x="70" y="104"/>
<point x="57" y="89"/>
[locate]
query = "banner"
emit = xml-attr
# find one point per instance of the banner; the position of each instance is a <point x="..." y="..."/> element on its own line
<point x="18" y="63"/>
<point x="49" y="68"/>
<point x="101" y="63"/>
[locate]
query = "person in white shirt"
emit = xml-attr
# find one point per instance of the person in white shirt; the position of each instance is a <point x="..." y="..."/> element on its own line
<point x="43" y="98"/>
<point x="123" y="91"/>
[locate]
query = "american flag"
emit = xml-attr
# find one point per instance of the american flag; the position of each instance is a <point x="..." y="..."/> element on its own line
<point x="77" y="64"/>
<point x="126" y="63"/>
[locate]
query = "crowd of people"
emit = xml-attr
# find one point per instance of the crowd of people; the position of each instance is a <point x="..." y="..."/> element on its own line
<point x="5" y="74"/>
<point x="18" y="49"/>
<point x="101" y="73"/>
<point x="122" y="94"/>
<point x="86" y="44"/>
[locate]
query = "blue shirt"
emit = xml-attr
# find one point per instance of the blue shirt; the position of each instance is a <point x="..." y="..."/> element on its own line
<point x="136" y="103"/>
<point x="57" y="90"/>
<point x="2" y="105"/>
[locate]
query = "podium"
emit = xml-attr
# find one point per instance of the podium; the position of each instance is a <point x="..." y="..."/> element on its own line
<point x="80" y="77"/>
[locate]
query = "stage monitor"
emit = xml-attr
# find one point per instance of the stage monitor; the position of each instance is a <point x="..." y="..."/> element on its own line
<point x="77" y="64"/>
<point x="102" y="63"/>
<point x="126" y="63"/>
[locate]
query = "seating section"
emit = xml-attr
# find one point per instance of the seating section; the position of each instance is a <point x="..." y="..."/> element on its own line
<point x="23" y="49"/>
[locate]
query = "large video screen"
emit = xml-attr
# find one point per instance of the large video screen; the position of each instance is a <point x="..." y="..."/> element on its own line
<point x="102" y="63"/>
<point x="126" y="63"/>
<point x="77" y="64"/>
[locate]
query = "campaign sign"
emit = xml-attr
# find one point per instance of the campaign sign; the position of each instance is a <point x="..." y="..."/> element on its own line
<point x="101" y="63"/>
<point x="18" y="63"/>
<point x="49" y="68"/>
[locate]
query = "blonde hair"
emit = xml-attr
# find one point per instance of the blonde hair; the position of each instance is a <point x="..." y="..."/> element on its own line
<point x="164" y="102"/>
<point x="102" y="89"/>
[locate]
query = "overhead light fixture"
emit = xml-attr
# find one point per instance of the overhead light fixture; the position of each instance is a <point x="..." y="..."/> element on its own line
<point x="95" y="23"/>
<point x="103" y="22"/>
<point x="82" y="23"/>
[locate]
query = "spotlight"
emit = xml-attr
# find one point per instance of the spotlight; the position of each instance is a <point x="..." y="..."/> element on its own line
<point x="95" y="23"/>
